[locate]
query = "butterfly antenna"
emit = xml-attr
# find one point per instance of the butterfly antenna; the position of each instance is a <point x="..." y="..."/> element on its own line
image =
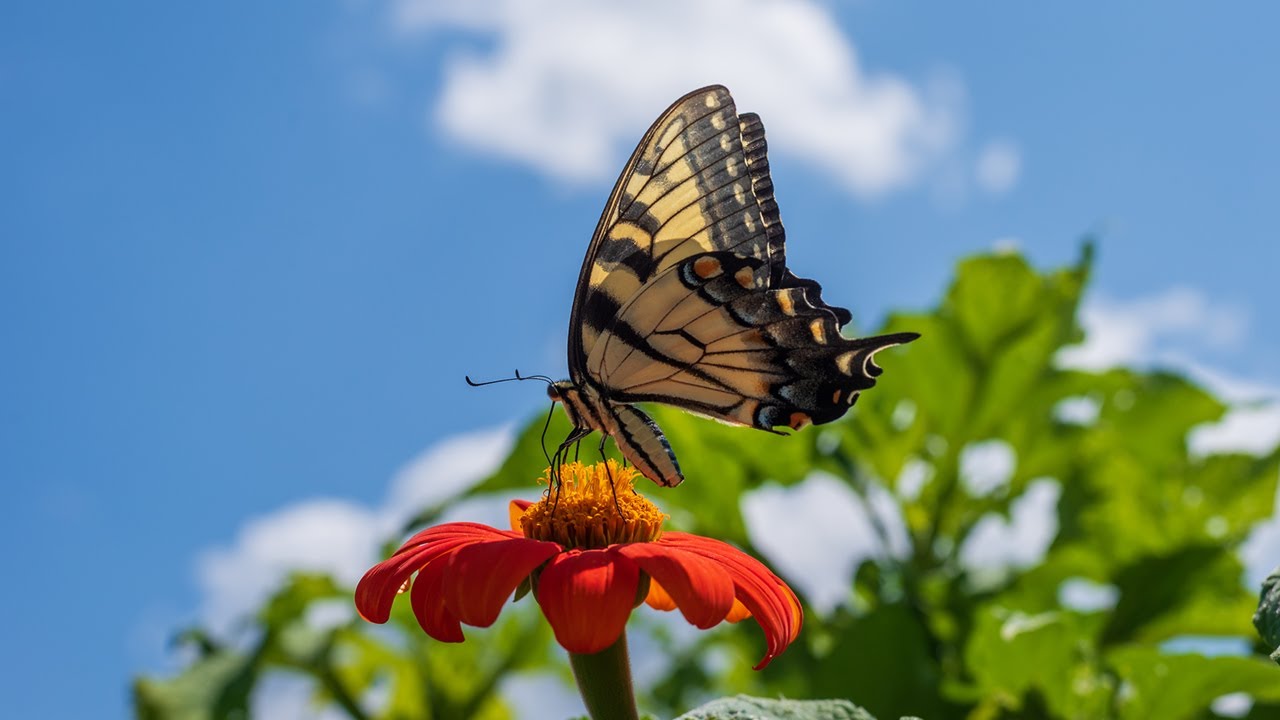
<point x="518" y="376"/>
<point x="543" y="378"/>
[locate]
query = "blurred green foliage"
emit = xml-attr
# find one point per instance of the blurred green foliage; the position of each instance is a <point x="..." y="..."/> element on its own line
<point x="1153" y="526"/>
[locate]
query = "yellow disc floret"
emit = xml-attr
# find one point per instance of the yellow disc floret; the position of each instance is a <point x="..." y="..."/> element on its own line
<point x="594" y="506"/>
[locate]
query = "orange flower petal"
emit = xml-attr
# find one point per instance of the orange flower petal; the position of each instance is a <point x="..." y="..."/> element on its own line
<point x="701" y="588"/>
<point x="515" y="509"/>
<point x="378" y="588"/>
<point x="427" y="600"/>
<point x="738" y="613"/>
<point x="587" y="597"/>
<point x="483" y="576"/>
<point x="658" y="598"/>
<point x="773" y="604"/>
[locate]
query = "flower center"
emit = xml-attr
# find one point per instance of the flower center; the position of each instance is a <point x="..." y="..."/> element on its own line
<point x="595" y="506"/>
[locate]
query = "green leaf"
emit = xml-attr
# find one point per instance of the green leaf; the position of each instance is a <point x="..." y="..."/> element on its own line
<point x="1186" y="584"/>
<point x="888" y="642"/>
<point x="216" y="686"/>
<point x="992" y="299"/>
<point x="743" y="707"/>
<point x="1172" y="687"/>
<point x="1015" y="656"/>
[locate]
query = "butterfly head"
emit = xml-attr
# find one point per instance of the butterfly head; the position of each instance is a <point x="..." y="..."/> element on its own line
<point x="568" y="394"/>
<point x="564" y="391"/>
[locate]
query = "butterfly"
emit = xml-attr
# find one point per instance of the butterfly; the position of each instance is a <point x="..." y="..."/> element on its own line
<point x="685" y="298"/>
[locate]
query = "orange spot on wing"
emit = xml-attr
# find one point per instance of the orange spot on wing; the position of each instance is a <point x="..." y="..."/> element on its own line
<point x="785" y="303"/>
<point x="799" y="420"/>
<point x="706" y="267"/>
<point x="819" y="333"/>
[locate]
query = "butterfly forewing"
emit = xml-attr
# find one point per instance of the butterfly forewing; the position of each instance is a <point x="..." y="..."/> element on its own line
<point x="692" y="186"/>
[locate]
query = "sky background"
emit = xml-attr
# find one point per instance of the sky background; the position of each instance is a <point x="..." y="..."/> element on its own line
<point x="248" y="250"/>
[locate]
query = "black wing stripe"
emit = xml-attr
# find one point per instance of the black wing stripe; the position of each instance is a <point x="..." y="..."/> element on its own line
<point x="723" y="199"/>
<point x="705" y="164"/>
<point x="623" y="331"/>
<point x="599" y="310"/>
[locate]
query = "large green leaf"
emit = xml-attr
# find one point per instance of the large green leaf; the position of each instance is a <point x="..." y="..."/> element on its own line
<point x="888" y="642"/>
<point x="1172" y="687"/>
<point x="1195" y="578"/>
<point x="1014" y="656"/>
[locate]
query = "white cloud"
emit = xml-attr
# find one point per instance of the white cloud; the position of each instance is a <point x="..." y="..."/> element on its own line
<point x="1077" y="410"/>
<point x="1261" y="552"/>
<point x="567" y="87"/>
<point x="282" y="696"/>
<point x="986" y="466"/>
<point x="1253" y="430"/>
<point x="998" y="167"/>
<point x="1152" y="329"/>
<point x="445" y="469"/>
<point x="1233" y="705"/>
<point x="1085" y="595"/>
<point x="1019" y="541"/>
<point x="555" y="699"/>
<point x="1169" y="329"/>
<point x="821" y="554"/>
<point x="915" y="475"/>
<point x="334" y="536"/>
<point x="330" y="536"/>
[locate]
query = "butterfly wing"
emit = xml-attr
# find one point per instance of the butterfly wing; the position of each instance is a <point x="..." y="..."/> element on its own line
<point x="684" y="296"/>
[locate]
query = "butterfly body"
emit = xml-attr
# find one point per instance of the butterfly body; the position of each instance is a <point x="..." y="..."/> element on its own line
<point x="684" y="297"/>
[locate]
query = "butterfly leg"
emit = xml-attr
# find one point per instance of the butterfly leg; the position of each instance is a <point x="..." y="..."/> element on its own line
<point x="609" y="470"/>
<point x="545" y="427"/>
<point x="575" y="436"/>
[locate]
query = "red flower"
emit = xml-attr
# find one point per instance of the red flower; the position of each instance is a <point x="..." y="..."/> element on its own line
<point x="588" y="564"/>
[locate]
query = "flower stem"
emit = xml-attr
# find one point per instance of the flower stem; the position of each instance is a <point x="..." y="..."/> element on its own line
<point x="604" y="679"/>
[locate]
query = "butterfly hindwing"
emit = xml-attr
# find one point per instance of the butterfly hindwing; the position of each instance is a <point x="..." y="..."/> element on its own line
<point x="710" y="336"/>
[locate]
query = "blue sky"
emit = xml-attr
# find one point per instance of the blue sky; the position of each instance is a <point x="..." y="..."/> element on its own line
<point x="248" y="250"/>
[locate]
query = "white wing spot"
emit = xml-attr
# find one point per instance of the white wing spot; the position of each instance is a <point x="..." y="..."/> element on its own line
<point x="726" y="144"/>
<point x="749" y="220"/>
<point x="739" y="194"/>
<point x="712" y="101"/>
<point x="717" y="121"/>
<point x="731" y="166"/>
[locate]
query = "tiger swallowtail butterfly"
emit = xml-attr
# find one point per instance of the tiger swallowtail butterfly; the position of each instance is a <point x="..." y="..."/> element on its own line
<point x="685" y="298"/>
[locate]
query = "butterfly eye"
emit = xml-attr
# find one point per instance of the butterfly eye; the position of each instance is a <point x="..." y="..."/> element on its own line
<point x="554" y="393"/>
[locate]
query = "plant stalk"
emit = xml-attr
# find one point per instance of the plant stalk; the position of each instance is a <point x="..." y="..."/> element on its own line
<point x="604" y="679"/>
